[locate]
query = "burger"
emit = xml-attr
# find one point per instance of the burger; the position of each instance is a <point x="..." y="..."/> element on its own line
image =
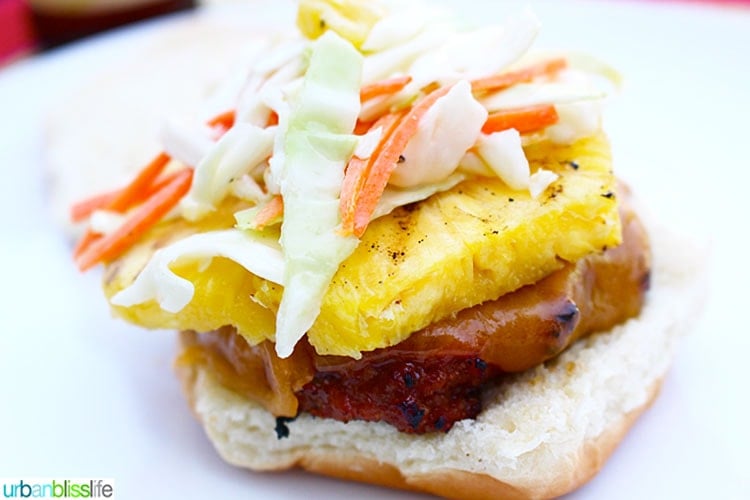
<point x="401" y="257"/>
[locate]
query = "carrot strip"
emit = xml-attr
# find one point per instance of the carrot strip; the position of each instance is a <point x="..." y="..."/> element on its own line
<point x="525" y="120"/>
<point x="125" y="199"/>
<point x="270" y="212"/>
<point x="224" y="120"/>
<point x="160" y="184"/>
<point x="88" y="238"/>
<point x="357" y="169"/>
<point x="383" y="164"/>
<point x="354" y="182"/>
<point x="273" y="119"/>
<point x="145" y="185"/>
<point x="361" y="128"/>
<point x="383" y="87"/>
<point x="504" y="80"/>
<point x="120" y="200"/>
<point x="85" y="208"/>
<point x="147" y="215"/>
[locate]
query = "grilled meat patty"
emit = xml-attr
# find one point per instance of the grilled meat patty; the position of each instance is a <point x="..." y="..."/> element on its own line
<point x="434" y="378"/>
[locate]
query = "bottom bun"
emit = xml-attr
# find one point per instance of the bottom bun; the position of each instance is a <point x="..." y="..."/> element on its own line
<point x="542" y="433"/>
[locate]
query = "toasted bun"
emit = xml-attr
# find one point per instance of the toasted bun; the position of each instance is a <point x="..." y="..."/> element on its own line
<point x="542" y="433"/>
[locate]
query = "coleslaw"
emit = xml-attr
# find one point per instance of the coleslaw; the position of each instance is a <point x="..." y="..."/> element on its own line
<point x="367" y="108"/>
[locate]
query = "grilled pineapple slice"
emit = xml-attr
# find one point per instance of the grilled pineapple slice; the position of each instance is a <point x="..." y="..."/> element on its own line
<point x="421" y="263"/>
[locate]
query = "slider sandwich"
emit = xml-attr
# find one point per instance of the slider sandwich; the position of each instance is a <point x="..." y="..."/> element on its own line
<point x="402" y="257"/>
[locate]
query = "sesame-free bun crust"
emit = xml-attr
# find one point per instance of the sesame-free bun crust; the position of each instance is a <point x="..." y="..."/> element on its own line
<point x="542" y="433"/>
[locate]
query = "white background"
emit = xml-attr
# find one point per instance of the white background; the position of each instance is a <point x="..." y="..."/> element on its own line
<point x="84" y="395"/>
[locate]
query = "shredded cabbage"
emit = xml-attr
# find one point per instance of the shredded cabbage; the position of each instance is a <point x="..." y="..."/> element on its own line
<point x="472" y="164"/>
<point x="577" y="120"/>
<point x="185" y="143"/>
<point x="476" y="53"/>
<point x="317" y="145"/>
<point x="258" y="254"/>
<point x="441" y="140"/>
<point x="394" y="197"/>
<point x="247" y="188"/>
<point x="395" y="29"/>
<point x="243" y="147"/>
<point x="540" y="181"/>
<point x="503" y="153"/>
<point x="453" y="56"/>
<point x="105" y="221"/>
<point x="313" y="89"/>
<point x="367" y="143"/>
<point x="399" y="58"/>
<point x="272" y="75"/>
<point x="532" y="94"/>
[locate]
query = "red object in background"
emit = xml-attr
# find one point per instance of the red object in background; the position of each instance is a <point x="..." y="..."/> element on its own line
<point x="18" y="35"/>
<point x="58" y="26"/>
<point x="16" y="30"/>
<point x="23" y="30"/>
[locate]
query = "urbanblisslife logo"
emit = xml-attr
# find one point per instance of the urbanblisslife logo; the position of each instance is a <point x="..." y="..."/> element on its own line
<point x="57" y="488"/>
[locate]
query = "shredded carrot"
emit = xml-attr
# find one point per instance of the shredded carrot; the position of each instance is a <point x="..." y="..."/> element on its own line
<point x="160" y="183"/>
<point x="143" y="185"/>
<point x="273" y="119"/>
<point x="270" y="212"/>
<point x="127" y="196"/>
<point x="122" y="199"/>
<point x="369" y="191"/>
<point x="224" y="120"/>
<point x="354" y="181"/>
<point x="383" y="87"/>
<point x="85" y="208"/>
<point x="504" y="80"/>
<point x="88" y="238"/>
<point x="112" y="245"/>
<point x="150" y="188"/>
<point x="525" y="120"/>
<point x="357" y="169"/>
<point x="361" y="128"/>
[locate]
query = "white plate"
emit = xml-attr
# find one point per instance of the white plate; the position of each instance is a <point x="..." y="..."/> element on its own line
<point x="84" y="395"/>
